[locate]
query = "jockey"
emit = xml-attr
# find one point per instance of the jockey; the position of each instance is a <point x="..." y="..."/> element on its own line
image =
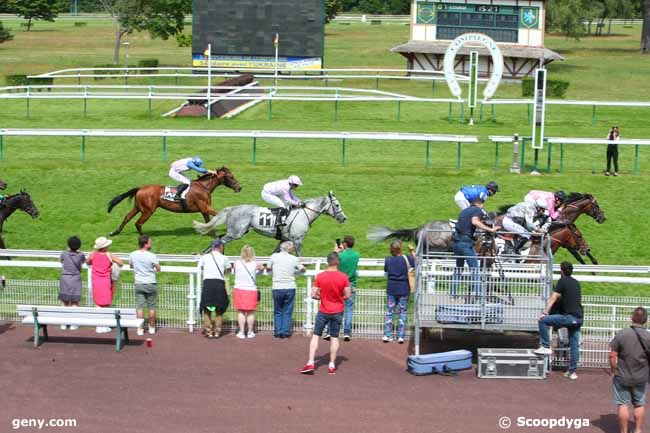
<point x="467" y="194"/>
<point x="554" y="201"/>
<point x="280" y="194"/>
<point x="182" y="166"/>
<point x="520" y="219"/>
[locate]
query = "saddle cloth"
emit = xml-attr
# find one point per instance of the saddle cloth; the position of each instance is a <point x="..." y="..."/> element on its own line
<point x="268" y="218"/>
<point x="169" y="193"/>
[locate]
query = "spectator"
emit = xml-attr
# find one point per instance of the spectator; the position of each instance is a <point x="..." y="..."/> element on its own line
<point x="284" y="267"/>
<point x="331" y="287"/>
<point x="568" y="291"/>
<point x="612" y="150"/>
<point x="468" y="220"/>
<point x="70" y="283"/>
<point x="145" y="264"/>
<point x="246" y="294"/>
<point x="103" y="287"/>
<point x="348" y="262"/>
<point x="628" y="360"/>
<point x="396" y="268"/>
<point x="214" y="299"/>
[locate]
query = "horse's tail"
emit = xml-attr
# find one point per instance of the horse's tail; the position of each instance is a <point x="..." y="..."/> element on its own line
<point x="217" y="220"/>
<point x="381" y="233"/>
<point x="116" y="200"/>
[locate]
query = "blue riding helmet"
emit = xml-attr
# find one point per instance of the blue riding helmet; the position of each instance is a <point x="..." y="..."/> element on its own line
<point x="197" y="161"/>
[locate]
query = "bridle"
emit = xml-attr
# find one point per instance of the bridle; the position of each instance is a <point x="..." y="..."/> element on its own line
<point x="318" y="213"/>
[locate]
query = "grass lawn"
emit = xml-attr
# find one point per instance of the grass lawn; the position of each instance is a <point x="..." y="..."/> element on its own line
<point x="383" y="183"/>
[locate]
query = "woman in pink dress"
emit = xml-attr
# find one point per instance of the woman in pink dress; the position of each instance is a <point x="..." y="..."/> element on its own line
<point x="103" y="287"/>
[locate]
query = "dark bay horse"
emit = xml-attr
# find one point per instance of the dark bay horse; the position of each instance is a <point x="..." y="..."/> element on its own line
<point x="148" y="198"/>
<point x="581" y="204"/>
<point x="21" y="201"/>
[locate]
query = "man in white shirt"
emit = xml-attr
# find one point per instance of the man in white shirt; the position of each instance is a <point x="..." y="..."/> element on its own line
<point x="284" y="267"/>
<point x="145" y="264"/>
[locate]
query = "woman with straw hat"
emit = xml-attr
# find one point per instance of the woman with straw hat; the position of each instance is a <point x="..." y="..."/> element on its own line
<point x="103" y="287"/>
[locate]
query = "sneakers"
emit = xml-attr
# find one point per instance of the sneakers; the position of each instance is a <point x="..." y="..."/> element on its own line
<point x="250" y="334"/>
<point x="571" y="375"/>
<point x="141" y="331"/>
<point x="331" y="369"/>
<point x="240" y="335"/>
<point x="386" y="339"/>
<point x="74" y="327"/>
<point x="308" y="369"/>
<point x="327" y="337"/>
<point x="152" y="331"/>
<point x="64" y="327"/>
<point x="400" y="340"/>
<point x="615" y="174"/>
<point x="543" y="351"/>
<point x="346" y="337"/>
<point x="607" y="173"/>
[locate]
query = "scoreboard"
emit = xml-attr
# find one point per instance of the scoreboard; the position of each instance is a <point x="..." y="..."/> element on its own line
<point x="242" y="32"/>
<point x="500" y="22"/>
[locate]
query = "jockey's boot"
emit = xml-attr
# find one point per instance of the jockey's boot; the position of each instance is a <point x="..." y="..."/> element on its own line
<point x="519" y="245"/>
<point x="179" y="191"/>
<point x="282" y="217"/>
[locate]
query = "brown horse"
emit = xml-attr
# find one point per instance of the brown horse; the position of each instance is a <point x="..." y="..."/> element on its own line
<point x="21" y="201"/>
<point x="148" y="198"/>
<point x="578" y="204"/>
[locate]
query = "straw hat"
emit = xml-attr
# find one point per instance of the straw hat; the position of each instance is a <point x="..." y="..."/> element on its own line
<point x="102" y="242"/>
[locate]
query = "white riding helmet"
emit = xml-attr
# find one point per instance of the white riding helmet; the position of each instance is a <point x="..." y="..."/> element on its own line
<point x="541" y="203"/>
<point x="294" y="180"/>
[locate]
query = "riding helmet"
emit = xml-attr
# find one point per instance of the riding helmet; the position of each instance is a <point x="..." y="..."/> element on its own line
<point x="492" y="186"/>
<point x="197" y="161"/>
<point x="294" y="180"/>
<point x="560" y="196"/>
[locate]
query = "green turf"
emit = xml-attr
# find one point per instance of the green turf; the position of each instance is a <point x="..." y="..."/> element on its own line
<point x="383" y="183"/>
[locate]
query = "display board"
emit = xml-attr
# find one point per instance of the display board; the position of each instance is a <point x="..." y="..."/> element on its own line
<point x="501" y="23"/>
<point x="242" y="32"/>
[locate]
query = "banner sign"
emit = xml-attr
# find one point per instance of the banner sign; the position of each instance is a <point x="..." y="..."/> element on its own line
<point x="297" y="63"/>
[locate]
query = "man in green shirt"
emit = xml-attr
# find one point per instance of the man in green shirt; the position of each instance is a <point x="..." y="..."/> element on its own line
<point x="348" y="262"/>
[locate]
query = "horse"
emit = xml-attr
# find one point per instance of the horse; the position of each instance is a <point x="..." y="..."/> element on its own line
<point x="241" y="219"/>
<point x="437" y="235"/>
<point x="199" y="199"/>
<point x="11" y="203"/>
<point x="578" y="204"/>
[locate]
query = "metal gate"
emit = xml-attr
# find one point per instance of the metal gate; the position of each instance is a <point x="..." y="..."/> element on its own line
<point x="502" y="293"/>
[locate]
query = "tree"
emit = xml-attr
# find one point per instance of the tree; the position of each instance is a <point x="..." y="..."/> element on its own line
<point x="567" y="16"/>
<point x="45" y="10"/>
<point x="645" y="33"/>
<point x="161" y="18"/>
<point x="4" y="34"/>
<point x="332" y="8"/>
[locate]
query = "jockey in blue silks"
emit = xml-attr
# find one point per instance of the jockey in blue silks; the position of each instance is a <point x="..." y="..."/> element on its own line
<point x="182" y="166"/>
<point x="469" y="193"/>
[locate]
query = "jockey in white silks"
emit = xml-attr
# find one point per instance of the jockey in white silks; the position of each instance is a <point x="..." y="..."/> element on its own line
<point x="280" y="194"/>
<point x="520" y="219"/>
<point x="182" y="166"/>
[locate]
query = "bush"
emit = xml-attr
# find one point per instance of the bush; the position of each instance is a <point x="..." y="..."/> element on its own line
<point x="100" y="70"/>
<point x="148" y="63"/>
<point x="184" y="40"/>
<point x="80" y="24"/>
<point x="16" y="80"/>
<point x="41" y="81"/>
<point x="554" y="88"/>
<point x="4" y="34"/>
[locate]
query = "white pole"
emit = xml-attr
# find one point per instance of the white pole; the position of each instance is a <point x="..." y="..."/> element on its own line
<point x="209" y="80"/>
<point x="276" y="42"/>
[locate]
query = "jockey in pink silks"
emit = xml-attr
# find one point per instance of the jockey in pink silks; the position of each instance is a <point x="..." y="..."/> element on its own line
<point x="280" y="194"/>
<point x="554" y="201"/>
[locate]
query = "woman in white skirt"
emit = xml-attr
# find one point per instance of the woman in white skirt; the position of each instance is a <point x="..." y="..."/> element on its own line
<point x="245" y="293"/>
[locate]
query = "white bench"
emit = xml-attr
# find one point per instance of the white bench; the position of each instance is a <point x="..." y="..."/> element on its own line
<point x="42" y="315"/>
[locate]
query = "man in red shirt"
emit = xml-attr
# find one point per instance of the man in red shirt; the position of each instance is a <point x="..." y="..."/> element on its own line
<point x="332" y="288"/>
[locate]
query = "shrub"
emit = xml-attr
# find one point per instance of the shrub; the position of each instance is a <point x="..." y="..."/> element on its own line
<point x="184" y="40"/>
<point x="100" y="70"/>
<point x="16" y="80"/>
<point x="554" y="88"/>
<point x="148" y="63"/>
<point x="4" y="34"/>
<point x="80" y="24"/>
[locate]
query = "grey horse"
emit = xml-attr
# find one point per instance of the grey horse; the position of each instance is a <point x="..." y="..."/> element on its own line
<point x="437" y="235"/>
<point x="241" y="219"/>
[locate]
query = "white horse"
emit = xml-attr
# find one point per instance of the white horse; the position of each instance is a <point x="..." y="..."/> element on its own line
<point x="241" y="219"/>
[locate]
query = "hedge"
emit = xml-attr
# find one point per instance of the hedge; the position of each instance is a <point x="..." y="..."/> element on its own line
<point x="148" y="63"/>
<point x="554" y="88"/>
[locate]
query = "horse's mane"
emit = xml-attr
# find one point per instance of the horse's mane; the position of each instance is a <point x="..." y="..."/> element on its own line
<point x="575" y="196"/>
<point x="206" y="175"/>
<point x="556" y="225"/>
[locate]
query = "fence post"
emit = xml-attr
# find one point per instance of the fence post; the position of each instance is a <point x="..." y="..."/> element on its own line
<point x="83" y="147"/>
<point x="548" y="160"/>
<point x="496" y="156"/>
<point x="191" y="297"/>
<point x="523" y="153"/>
<point x="398" y="110"/>
<point x="85" y="101"/>
<point x="515" y="167"/>
<point x="561" y="157"/>
<point x="449" y="115"/>
<point x="462" y="113"/>
<point x="493" y="117"/>
<point x="458" y="164"/>
<point x="427" y="155"/>
<point x="593" y="115"/>
<point x="89" y="285"/>
<point x="28" y="98"/>
<point x="307" y="326"/>
<point x="270" y="105"/>
<point x="528" y="106"/>
<point x="164" y="148"/>
<point x="376" y="80"/>
<point x="343" y="156"/>
<point x="254" y="159"/>
<point x="149" y="102"/>
<point x="336" y="105"/>
<point x="480" y="114"/>
<point x="2" y="147"/>
<point x="636" y="159"/>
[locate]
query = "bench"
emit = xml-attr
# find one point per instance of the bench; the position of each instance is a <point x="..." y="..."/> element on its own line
<point x="42" y="315"/>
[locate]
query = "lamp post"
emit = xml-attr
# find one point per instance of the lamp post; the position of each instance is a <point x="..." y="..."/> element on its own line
<point x="514" y="167"/>
<point x="126" y="60"/>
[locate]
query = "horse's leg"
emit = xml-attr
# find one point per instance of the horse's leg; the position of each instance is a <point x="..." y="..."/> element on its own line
<point x="133" y="212"/>
<point x="206" y="217"/>
<point x="143" y="219"/>
<point x="592" y="258"/>
<point x="577" y="255"/>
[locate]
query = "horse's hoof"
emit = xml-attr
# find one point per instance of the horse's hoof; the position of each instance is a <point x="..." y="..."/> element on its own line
<point x="114" y="233"/>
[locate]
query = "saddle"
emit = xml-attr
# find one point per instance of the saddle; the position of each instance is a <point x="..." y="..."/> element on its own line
<point x="169" y="193"/>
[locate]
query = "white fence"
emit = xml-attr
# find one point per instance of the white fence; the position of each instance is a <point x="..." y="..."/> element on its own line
<point x="178" y="303"/>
